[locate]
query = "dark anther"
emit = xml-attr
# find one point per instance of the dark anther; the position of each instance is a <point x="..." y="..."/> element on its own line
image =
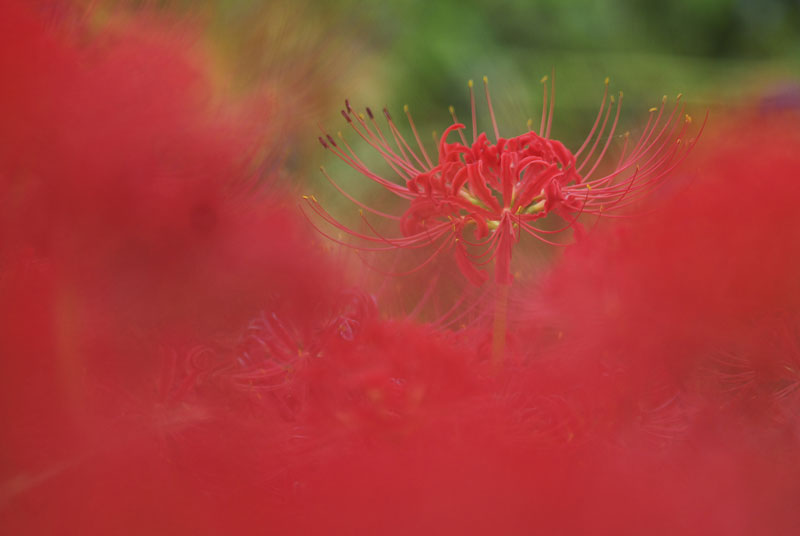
<point x="369" y="113"/>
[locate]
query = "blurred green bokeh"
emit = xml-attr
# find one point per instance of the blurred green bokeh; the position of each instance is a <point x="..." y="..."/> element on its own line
<point x="422" y="52"/>
<point x="714" y="51"/>
<point x="721" y="54"/>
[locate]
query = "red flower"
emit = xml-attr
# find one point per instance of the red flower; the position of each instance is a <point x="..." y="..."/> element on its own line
<point x="500" y="188"/>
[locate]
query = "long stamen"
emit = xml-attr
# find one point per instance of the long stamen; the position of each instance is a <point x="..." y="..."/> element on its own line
<point x="533" y="231"/>
<point x="491" y="110"/>
<point x="596" y="121"/>
<point x="416" y="136"/>
<point x="656" y="144"/>
<point x="444" y="323"/>
<point x="660" y="164"/>
<point x="474" y="116"/>
<point x="670" y="161"/>
<point x="403" y="160"/>
<point x="414" y="241"/>
<point x="355" y="201"/>
<point x="608" y="139"/>
<point x="552" y="101"/>
<point x="358" y="165"/>
<point x="627" y="137"/>
<point x="400" y="141"/>
<point x="544" y="106"/>
<point x="429" y="291"/>
<point x="642" y="145"/>
<point x="445" y="244"/>
<point x="599" y="136"/>
<point x="403" y="168"/>
<point x="400" y="165"/>
<point x="452" y="111"/>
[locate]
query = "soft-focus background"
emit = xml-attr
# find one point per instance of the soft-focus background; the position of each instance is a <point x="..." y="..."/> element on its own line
<point x="723" y="55"/>
<point x="720" y="53"/>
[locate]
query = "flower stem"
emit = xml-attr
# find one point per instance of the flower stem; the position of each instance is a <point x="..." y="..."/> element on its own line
<point x="500" y="327"/>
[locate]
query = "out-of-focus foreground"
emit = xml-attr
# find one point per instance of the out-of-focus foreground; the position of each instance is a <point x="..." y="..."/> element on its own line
<point x="183" y="352"/>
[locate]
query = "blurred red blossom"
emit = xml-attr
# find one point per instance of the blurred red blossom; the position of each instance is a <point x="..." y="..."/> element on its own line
<point x="132" y="222"/>
<point x="683" y="324"/>
<point x="123" y="166"/>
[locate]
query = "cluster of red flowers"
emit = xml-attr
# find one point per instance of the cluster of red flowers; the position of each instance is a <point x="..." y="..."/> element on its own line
<point x="169" y="364"/>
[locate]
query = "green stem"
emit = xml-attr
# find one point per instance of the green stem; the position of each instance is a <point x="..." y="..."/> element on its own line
<point x="500" y="326"/>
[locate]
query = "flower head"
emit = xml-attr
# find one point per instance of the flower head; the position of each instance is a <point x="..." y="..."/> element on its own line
<point x="475" y="197"/>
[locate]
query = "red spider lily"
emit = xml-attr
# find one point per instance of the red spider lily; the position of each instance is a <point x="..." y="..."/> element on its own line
<point x="503" y="187"/>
